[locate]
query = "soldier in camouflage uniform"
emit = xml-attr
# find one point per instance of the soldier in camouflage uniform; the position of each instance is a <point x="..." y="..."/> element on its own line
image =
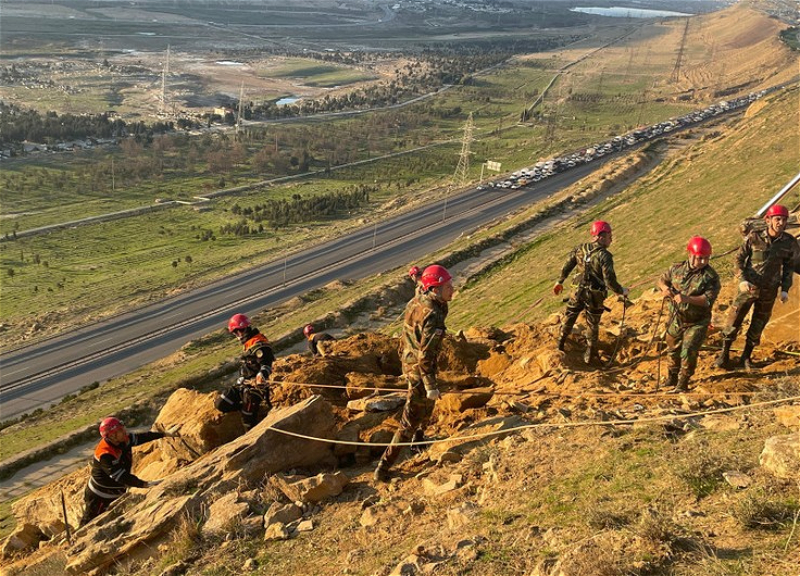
<point x="594" y="278"/>
<point x="764" y="263"/>
<point x="691" y="288"/>
<point x="423" y="331"/>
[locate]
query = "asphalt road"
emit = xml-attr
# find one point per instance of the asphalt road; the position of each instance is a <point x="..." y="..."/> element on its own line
<point x="39" y="375"/>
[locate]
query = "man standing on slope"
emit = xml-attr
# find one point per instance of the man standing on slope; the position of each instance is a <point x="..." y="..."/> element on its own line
<point x="691" y="288"/>
<point x="764" y="266"/>
<point x="111" y="466"/>
<point x="251" y="388"/>
<point x="594" y="278"/>
<point x="423" y="331"/>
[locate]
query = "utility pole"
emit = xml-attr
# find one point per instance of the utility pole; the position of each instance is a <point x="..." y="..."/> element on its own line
<point x="241" y="107"/>
<point x="462" y="168"/>
<point x="164" y="73"/>
<point x="676" y="71"/>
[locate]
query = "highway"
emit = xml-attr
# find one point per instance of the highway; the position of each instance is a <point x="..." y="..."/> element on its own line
<point x="40" y="374"/>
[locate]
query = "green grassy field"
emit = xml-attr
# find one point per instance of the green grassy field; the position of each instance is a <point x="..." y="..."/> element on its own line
<point x="315" y="73"/>
<point x="708" y="191"/>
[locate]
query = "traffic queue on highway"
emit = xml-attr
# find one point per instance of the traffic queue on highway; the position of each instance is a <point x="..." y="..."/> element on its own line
<point x="544" y="169"/>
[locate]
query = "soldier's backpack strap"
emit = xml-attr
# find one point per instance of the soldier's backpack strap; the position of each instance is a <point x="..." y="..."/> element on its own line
<point x="584" y="280"/>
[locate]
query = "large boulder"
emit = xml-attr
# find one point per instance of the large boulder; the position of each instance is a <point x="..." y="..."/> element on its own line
<point x="43" y="509"/>
<point x="137" y="522"/>
<point x="202" y="427"/>
<point x="781" y="456"/>
<point x="463" y="400"/>
<point x="310" y="490"/>
<point x="24" y="537"/>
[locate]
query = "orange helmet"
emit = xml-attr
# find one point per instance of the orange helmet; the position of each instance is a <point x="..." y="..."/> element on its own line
<point x="109" y="425"/>
<point x="238" y="322"/>
<point x="777" y="210"/>
<point x="308" y="330"/>
<point x="434" y="275"/>
<point x="600" y="227"/>
<point x="699" y="246"/>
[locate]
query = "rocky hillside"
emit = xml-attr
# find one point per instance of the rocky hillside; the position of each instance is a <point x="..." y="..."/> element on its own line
<point x="537" y="465"/>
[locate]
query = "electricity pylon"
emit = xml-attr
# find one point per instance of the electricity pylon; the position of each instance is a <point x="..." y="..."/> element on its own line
<point x="462" y="168"/>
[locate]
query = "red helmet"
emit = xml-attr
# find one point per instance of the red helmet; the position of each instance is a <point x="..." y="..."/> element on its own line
<point x="108" y="425"/>
<point x="308" y="330"/>
<point x="777" y="210"/>
<point x="238" y="322"/>
<point x="699" y="246"/>
<point x="434" y="275"/>
<point x="415" y="272"/>
<point x="600" y="227"/>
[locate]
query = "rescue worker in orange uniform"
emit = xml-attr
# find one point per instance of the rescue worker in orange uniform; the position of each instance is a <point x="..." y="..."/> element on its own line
<point x="251" y="389"/>
<point x="415" y="273"/>
<point x="314" y="338"/>
<point x="111" y="466"/>
<point x="423" y="332"/>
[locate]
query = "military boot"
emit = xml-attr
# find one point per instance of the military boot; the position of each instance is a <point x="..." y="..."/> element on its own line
<point x="417" y="448"/>
<point x="590" y="355"/>
<point x="723" y="358"/>
<point x="671" y="379"/>
<point x="562" y="339"/>
<point x="682" y="385"/>
<point x="744" y="360"/>
<point x="382" y="472"/>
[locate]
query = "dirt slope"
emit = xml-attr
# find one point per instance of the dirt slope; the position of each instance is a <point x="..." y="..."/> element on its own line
<point x="576" y="494"/>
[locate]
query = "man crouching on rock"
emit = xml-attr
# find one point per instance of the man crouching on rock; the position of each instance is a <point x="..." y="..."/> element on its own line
<point x="111" y="466"/>
<point x="251" y="390"/>
<point x="423" y="330"/>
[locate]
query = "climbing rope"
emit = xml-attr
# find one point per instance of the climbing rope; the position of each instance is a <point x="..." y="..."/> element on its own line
<point x="576" y="424"/>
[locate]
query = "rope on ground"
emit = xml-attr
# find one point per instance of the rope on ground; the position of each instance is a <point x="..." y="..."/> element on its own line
<point x="515" y="429"/>
<point x="525" y="392"/>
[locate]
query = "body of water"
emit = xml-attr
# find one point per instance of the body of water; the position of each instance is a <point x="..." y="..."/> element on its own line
<point x="287" y="100"/>
<point x="623" y="12"/>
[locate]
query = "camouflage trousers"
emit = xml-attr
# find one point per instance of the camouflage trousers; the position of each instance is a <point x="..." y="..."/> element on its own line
<point x="416" y="413"/>
<point x="761" y="303"/>
<point x="683" y="347"/>
<point x="592" y="302"/>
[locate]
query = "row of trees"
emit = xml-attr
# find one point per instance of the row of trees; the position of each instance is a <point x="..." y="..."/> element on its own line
<point x="18" y="125"/>
<point x="297" y="210"/>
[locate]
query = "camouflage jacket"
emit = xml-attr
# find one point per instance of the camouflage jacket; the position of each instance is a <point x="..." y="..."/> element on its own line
<point x="423" y="331"/>
<point x="767" y="262"/>
<point x="595" y="268"/>
<point x="683" y="280"/>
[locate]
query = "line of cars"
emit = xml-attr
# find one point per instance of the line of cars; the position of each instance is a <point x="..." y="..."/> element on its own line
<point x="544" y="169"/>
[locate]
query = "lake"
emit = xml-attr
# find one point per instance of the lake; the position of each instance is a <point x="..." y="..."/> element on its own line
<point x="624" y="12"/>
